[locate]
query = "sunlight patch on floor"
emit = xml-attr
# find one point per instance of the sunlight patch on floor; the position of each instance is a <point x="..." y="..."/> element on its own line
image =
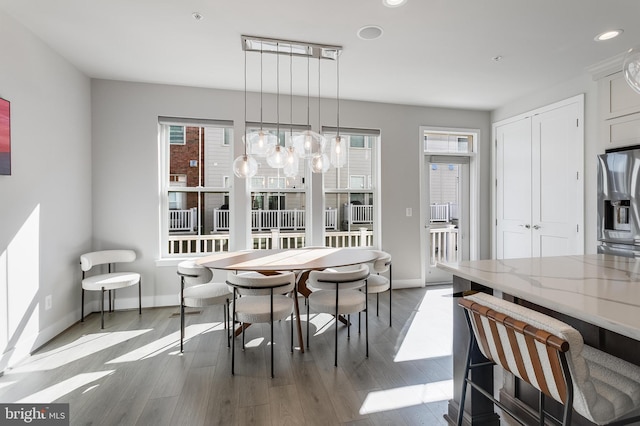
<point x="159" y="346"/>
<point x="430" y="334"/>
<point x="84" y="346"/>
<point x="61" y="389"/>
<point x="407" y="396"/>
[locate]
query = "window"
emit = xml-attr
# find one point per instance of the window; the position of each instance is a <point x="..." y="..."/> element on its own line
<point x="448" y="142"/>
<point x="176" y="135"/>
<point x="195" y="182"/>
<point x="350" y="191"/>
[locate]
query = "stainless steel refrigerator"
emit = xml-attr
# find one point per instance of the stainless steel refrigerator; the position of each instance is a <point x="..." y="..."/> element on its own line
<point x="619" y="202"/>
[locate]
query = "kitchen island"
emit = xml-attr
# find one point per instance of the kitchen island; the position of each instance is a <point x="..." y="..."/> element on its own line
<point x="597" y="294"/>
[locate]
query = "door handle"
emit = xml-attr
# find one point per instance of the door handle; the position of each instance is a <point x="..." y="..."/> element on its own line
<point x="537" y="226"/>
<point x="526" y="226"/>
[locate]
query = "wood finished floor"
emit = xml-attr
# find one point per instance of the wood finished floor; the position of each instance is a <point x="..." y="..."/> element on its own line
<point x="131" y="373"/>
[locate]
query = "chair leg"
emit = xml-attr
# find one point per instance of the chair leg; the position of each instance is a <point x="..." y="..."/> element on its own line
<point x="377" y="304"/>
<point x="467" y="366"/>
<point x="82" y="307"/>
<point x="140" y="297"/>
<point x="390" y="290"/>
<point x="227" y="325"/>
<point x="335" y="361"/>
<point x="541" y="409"/>
<point x="308" y="337"/>
<point x="181" y="314"/>
<point x="349" y="327"/>
<point x="366" y="317"/>
<point x="271" y="323"/>
<point x="291" y="332"/>
<point x="102" y="310"/>
<point x="110" y="307"/>
<point x="233" y="328"/>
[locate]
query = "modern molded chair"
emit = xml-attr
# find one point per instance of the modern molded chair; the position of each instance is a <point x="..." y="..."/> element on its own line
<point x="338" y="293"/>
<point x="200" y="292"/>
<point x="552" y="357"/>
<point x="377" y="282"/>
<point x="111" y="280"/>
<point x="261" y="298"/>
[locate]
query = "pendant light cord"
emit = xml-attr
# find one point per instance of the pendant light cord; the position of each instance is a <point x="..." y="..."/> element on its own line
<point x="245" y="103"/>
<point x="260" y="86"/>
<point x="338" y="94"/>
<point x="291" y="91"/>
<point x="278" y="95"/>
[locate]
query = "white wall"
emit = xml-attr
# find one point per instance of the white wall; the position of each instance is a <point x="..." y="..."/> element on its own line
<point x="45" y="207"/>
<point x="125" y="167"/>
<point x="593" y="146"/>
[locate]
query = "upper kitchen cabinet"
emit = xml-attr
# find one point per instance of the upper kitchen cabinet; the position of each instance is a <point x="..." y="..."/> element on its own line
<point x="619" y="111"/>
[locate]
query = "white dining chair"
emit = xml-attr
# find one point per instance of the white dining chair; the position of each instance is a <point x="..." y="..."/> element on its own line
<point x="378" y="283"/>
<point x="197" y="291"/>
<point x="111" y="280"/>
<point x="338" y="293"/>
<point x="261" y="298"/>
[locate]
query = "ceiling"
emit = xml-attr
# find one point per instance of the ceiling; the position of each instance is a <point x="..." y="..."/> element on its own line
<point x="432" y="52"/>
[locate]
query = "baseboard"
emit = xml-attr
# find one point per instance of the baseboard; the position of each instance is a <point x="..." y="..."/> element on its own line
<point x="410" y="283"/>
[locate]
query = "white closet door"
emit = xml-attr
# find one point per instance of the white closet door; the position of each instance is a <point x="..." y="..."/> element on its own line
<point x="556" y="163"/>
<point x="513" y="189"/>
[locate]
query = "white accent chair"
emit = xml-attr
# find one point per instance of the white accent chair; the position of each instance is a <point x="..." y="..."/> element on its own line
<point x="377" y="282"/>
<point x="111" y="280"/>
<point x="551" y="356"/>
<point x="338" y="293"/>
<point x="197" y="291"/>
<point x="261" y="298"/>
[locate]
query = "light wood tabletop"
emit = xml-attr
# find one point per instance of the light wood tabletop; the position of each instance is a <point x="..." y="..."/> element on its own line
<point x="301" y="261"/>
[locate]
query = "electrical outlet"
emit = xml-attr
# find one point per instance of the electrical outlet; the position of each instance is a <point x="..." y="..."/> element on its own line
<point x="409" y="212"/>
<point x="48" y="302"/>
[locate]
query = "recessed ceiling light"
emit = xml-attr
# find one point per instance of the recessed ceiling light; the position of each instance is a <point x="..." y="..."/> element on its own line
<point x="393" y="3"/>
<point x="370" y="32"/>
<point x="608" y="35"/>
<point x="197" y="16"/>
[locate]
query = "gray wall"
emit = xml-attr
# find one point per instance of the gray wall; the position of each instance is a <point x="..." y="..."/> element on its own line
<point x="592" y="143"/>
<point x="125" y="167"/>
<point x="45" y="205"/>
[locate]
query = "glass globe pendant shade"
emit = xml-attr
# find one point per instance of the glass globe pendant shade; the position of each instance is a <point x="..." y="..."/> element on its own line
<point x="276" y="157"/>
<point x="308" y="144"/>
<point x="260" y="142"/>
<point x="291" y="162"/>
<point x="631" y="68"/>
<point x="245" y="166"/>
<point x="338" y="152"/>
<point x="320" y="163"/>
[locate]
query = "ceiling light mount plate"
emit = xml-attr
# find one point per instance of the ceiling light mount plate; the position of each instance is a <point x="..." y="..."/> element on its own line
<point x="393" y="3"/>
<point x="608" y="35"/>
<point x="286" y="47"/>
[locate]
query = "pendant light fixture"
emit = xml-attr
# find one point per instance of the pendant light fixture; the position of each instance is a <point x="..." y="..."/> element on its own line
<point x="276" y="156"/>
<point x="338" y="148"/>
<point x="261" y="142"/>
<point x="291" y="162"/>
<point x="245" y="166"/>
<point x="308" y="145"/>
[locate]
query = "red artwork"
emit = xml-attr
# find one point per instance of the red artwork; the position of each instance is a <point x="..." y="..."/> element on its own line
<point x="5" y="138"/>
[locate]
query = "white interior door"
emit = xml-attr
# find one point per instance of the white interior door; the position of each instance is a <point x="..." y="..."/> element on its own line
<point x="513" y="189"/>
<point x="556" y="184"/>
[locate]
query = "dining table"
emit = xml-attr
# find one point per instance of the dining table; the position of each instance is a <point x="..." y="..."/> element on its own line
<point x="299" y="260"/>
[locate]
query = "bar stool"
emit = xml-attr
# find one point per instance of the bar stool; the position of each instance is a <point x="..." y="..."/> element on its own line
<point x="201" y="293"/>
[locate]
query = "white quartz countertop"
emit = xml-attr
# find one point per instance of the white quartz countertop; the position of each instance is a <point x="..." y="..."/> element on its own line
<point x="600" y="289"/>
